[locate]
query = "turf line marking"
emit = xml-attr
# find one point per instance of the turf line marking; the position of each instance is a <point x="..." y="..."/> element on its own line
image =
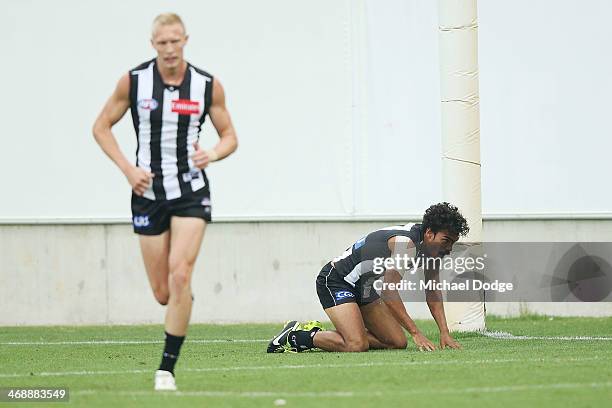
<point x="247" y="394"/>
<point x="123" y="342"/>
<point x="305" y="366"/>
<point x="494" y="335"/>
<point x="256" y="394"/>
<point x="509" y="336"/>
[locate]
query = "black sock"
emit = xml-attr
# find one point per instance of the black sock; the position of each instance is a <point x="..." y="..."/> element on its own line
<point x="171" y="352"/>
<point x="303" y="340"/>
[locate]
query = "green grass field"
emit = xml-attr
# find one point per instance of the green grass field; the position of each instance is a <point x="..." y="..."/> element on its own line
<point x="227" y="366"/>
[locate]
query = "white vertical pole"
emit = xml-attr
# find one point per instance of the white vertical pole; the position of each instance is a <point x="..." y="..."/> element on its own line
<point x="458" y="37"/>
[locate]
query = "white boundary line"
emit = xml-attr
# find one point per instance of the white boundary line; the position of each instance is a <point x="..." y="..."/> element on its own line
<point x="509" y="336"/>
<point x="306" y="366"/>
<point x="494" y="335"/>
<point x="123" y="342"/>
<point x="256" y="394"/>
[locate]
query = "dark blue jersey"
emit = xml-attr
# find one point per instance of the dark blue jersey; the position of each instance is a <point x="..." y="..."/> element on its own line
<point x="359" y="259"/>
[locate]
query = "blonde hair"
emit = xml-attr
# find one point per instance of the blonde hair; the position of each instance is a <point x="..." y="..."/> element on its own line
<point x="166" y="19"/>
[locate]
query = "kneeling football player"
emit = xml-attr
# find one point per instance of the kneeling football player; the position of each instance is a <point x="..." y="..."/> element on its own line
<point x="362" y="319"/>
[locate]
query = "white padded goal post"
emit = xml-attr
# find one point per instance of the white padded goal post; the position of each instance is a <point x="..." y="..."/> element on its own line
<point x="458" y="41"/>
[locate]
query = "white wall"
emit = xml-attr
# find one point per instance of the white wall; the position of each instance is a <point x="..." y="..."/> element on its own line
<point x="336" y="104"/>
<point x="400" y="167"/>
<point x="285" y="66"/>
<point x="545" y="91"/>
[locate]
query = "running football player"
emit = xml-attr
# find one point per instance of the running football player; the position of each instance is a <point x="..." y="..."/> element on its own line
<point x="169" y="100"/>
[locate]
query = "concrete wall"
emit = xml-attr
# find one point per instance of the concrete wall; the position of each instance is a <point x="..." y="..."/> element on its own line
<point x="247" y="272"/>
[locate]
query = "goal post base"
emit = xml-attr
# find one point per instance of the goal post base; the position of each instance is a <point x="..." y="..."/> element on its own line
<point x="465" y="316"/>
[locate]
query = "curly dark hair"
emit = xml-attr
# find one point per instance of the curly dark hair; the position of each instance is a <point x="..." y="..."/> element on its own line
<point x="445" y="216"/>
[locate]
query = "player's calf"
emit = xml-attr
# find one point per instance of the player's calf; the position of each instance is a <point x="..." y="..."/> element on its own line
<point x="333" y="340"/>
<point x="356" y="345"/>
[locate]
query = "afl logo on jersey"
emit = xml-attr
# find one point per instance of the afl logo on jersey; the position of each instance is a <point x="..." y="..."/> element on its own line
<point x="148" y="104"/>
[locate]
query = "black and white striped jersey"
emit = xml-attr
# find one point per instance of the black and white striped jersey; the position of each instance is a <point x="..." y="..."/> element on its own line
<point x="168" y="120"/>
<point x="358" y="259"/>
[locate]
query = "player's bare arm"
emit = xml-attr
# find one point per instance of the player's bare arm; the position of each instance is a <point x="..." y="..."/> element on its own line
<point x="393" y="300"/>
<point x="221" y="120"/>
<point x="113" y="111"/>
<point x="436" y="307"/>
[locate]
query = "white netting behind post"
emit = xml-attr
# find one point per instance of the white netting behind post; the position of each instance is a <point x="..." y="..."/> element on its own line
<point x="458" y="36"/>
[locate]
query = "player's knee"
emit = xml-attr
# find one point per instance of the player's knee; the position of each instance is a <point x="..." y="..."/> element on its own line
<point x="180" y="279"/>
<point x="162" y="296"/>
<point x="399" y="343"/>
<point x="180" y="266"/>
<point x="180" y="272"/>
<point x="357" y="345"/>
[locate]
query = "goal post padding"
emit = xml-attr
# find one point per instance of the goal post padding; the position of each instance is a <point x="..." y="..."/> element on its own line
<point x="460" y="115"/>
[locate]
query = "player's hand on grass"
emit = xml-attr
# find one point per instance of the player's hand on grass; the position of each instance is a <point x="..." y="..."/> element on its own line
<point x="139" y="179"/>
<point x="447" y="341"/>
<point x="422" y="342"/>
